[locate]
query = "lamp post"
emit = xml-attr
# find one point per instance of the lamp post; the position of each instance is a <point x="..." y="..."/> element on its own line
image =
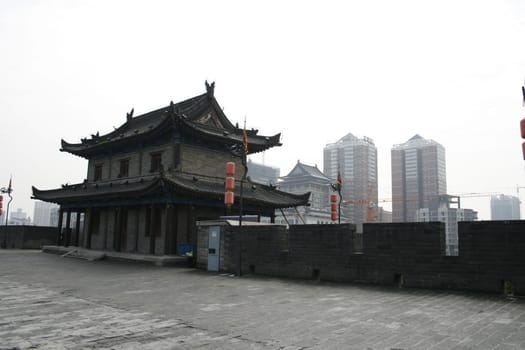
<point x="337" y="188"/>
<point x="240" y="151"/>
<point x="7" y="190"/>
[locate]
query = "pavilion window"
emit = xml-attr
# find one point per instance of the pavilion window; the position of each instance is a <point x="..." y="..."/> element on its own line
<point x="156" y="162"/>
<point x="98" y="172"/>
<point x="124" y="168"/>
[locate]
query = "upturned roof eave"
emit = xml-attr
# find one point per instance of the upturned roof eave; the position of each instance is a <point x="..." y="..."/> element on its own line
<point x="85" y="151"/>
<point x="196" y="187"/>
<point x="256" y="143"/>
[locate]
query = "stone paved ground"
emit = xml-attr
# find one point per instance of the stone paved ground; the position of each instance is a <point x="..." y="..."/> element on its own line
<point x="48" y="302"/>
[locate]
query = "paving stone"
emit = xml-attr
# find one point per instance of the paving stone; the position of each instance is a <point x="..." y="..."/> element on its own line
<point x="52" y="303"/>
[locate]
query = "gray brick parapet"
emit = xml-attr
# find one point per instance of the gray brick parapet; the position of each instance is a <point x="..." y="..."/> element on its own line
<point x="408" y="254"/>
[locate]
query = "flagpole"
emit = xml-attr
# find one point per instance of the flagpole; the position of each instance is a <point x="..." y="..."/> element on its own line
<point x="7" y="190"/>
<point x="244" y="154"/>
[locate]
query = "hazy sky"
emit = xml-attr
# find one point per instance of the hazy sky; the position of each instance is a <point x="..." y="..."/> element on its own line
<point x="449" y="70"/>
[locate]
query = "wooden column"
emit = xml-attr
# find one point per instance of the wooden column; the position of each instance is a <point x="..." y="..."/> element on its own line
<point x="137" y="229"/>
<point x="89" y="231"/>
<point x="151" y="231"/>
<point x="59" y="233"/>
<point x="175" y="229"/>
<point x="116" y="230"/>
<point x="77" y="229"/>
<point x="167" y="230"/>
<point x="67" y="235"/>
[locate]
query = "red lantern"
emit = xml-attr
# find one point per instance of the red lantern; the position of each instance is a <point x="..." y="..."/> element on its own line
<point x="229" y="184"/>
<point x="522" y="126"/>
<point x="228" y="198"/>
<point x="230" y="169"/>
<point x="333" y="207"/>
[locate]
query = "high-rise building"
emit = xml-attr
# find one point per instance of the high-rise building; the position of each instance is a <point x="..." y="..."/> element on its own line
<point x="43" y="212"/>
<point x="504" y="207"/>
<point x="443" y="211"/>
<point x="19" y="217"/>
<point x="356" y="160"/>
<point x="383" y="215"/>
<point x="418" y="177"/>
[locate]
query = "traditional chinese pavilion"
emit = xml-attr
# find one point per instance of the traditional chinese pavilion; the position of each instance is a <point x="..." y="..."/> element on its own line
<point x="151" y="179"/>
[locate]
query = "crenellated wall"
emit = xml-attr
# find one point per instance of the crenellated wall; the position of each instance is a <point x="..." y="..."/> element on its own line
<point x="491" y="254"/>
<point x="27" y="237"/>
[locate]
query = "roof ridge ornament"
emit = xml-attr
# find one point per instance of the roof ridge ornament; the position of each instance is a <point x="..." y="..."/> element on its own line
<point x="209" y="88"/>
<point x="130" y="114"/>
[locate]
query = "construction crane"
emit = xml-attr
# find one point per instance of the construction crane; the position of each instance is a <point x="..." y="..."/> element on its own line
<point x="371" y="215"/>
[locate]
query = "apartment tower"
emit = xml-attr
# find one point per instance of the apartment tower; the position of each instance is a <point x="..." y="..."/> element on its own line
<point x="418" y="177"/>
<point x="356" y="160"/>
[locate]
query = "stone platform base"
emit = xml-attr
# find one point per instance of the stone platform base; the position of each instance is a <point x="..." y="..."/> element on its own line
<point x="92" y="255"/>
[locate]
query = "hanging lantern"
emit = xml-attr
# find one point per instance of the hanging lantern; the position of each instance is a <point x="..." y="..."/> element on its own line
<point x="228" y="198"/>
<point x="230" y="169"/>
<point x="522" y="126"/>
<point x="229" y="184"/>
<point x="333" y="207"/>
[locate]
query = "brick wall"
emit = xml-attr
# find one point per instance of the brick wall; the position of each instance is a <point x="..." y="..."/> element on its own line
<point x="27" y="237"/>
<point x="493" y="252"/>
<point x="139" y="162"/>
<point x="200" y="160"/>
<point x="410" y="254"/>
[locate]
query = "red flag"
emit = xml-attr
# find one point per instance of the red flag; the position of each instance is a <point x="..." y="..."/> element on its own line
<point x="339" y="179"/>
<point x="245" y="140"/>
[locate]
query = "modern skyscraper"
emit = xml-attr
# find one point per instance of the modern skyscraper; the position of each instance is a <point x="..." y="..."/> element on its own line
<point x="418" y="177"/>
<point x="504" y="208"/>
<point x="356" y="160"/>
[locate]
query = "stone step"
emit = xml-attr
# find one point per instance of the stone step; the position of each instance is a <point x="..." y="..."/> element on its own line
<point x="84" y="255"/>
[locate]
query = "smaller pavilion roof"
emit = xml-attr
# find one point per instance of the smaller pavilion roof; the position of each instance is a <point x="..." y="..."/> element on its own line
<point x="304" y="170"/>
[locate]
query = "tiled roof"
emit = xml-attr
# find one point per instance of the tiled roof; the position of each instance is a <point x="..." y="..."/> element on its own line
<point x="187" y="186"/>
<point x="201" y="115"/>
<point x="302" y="170"/>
